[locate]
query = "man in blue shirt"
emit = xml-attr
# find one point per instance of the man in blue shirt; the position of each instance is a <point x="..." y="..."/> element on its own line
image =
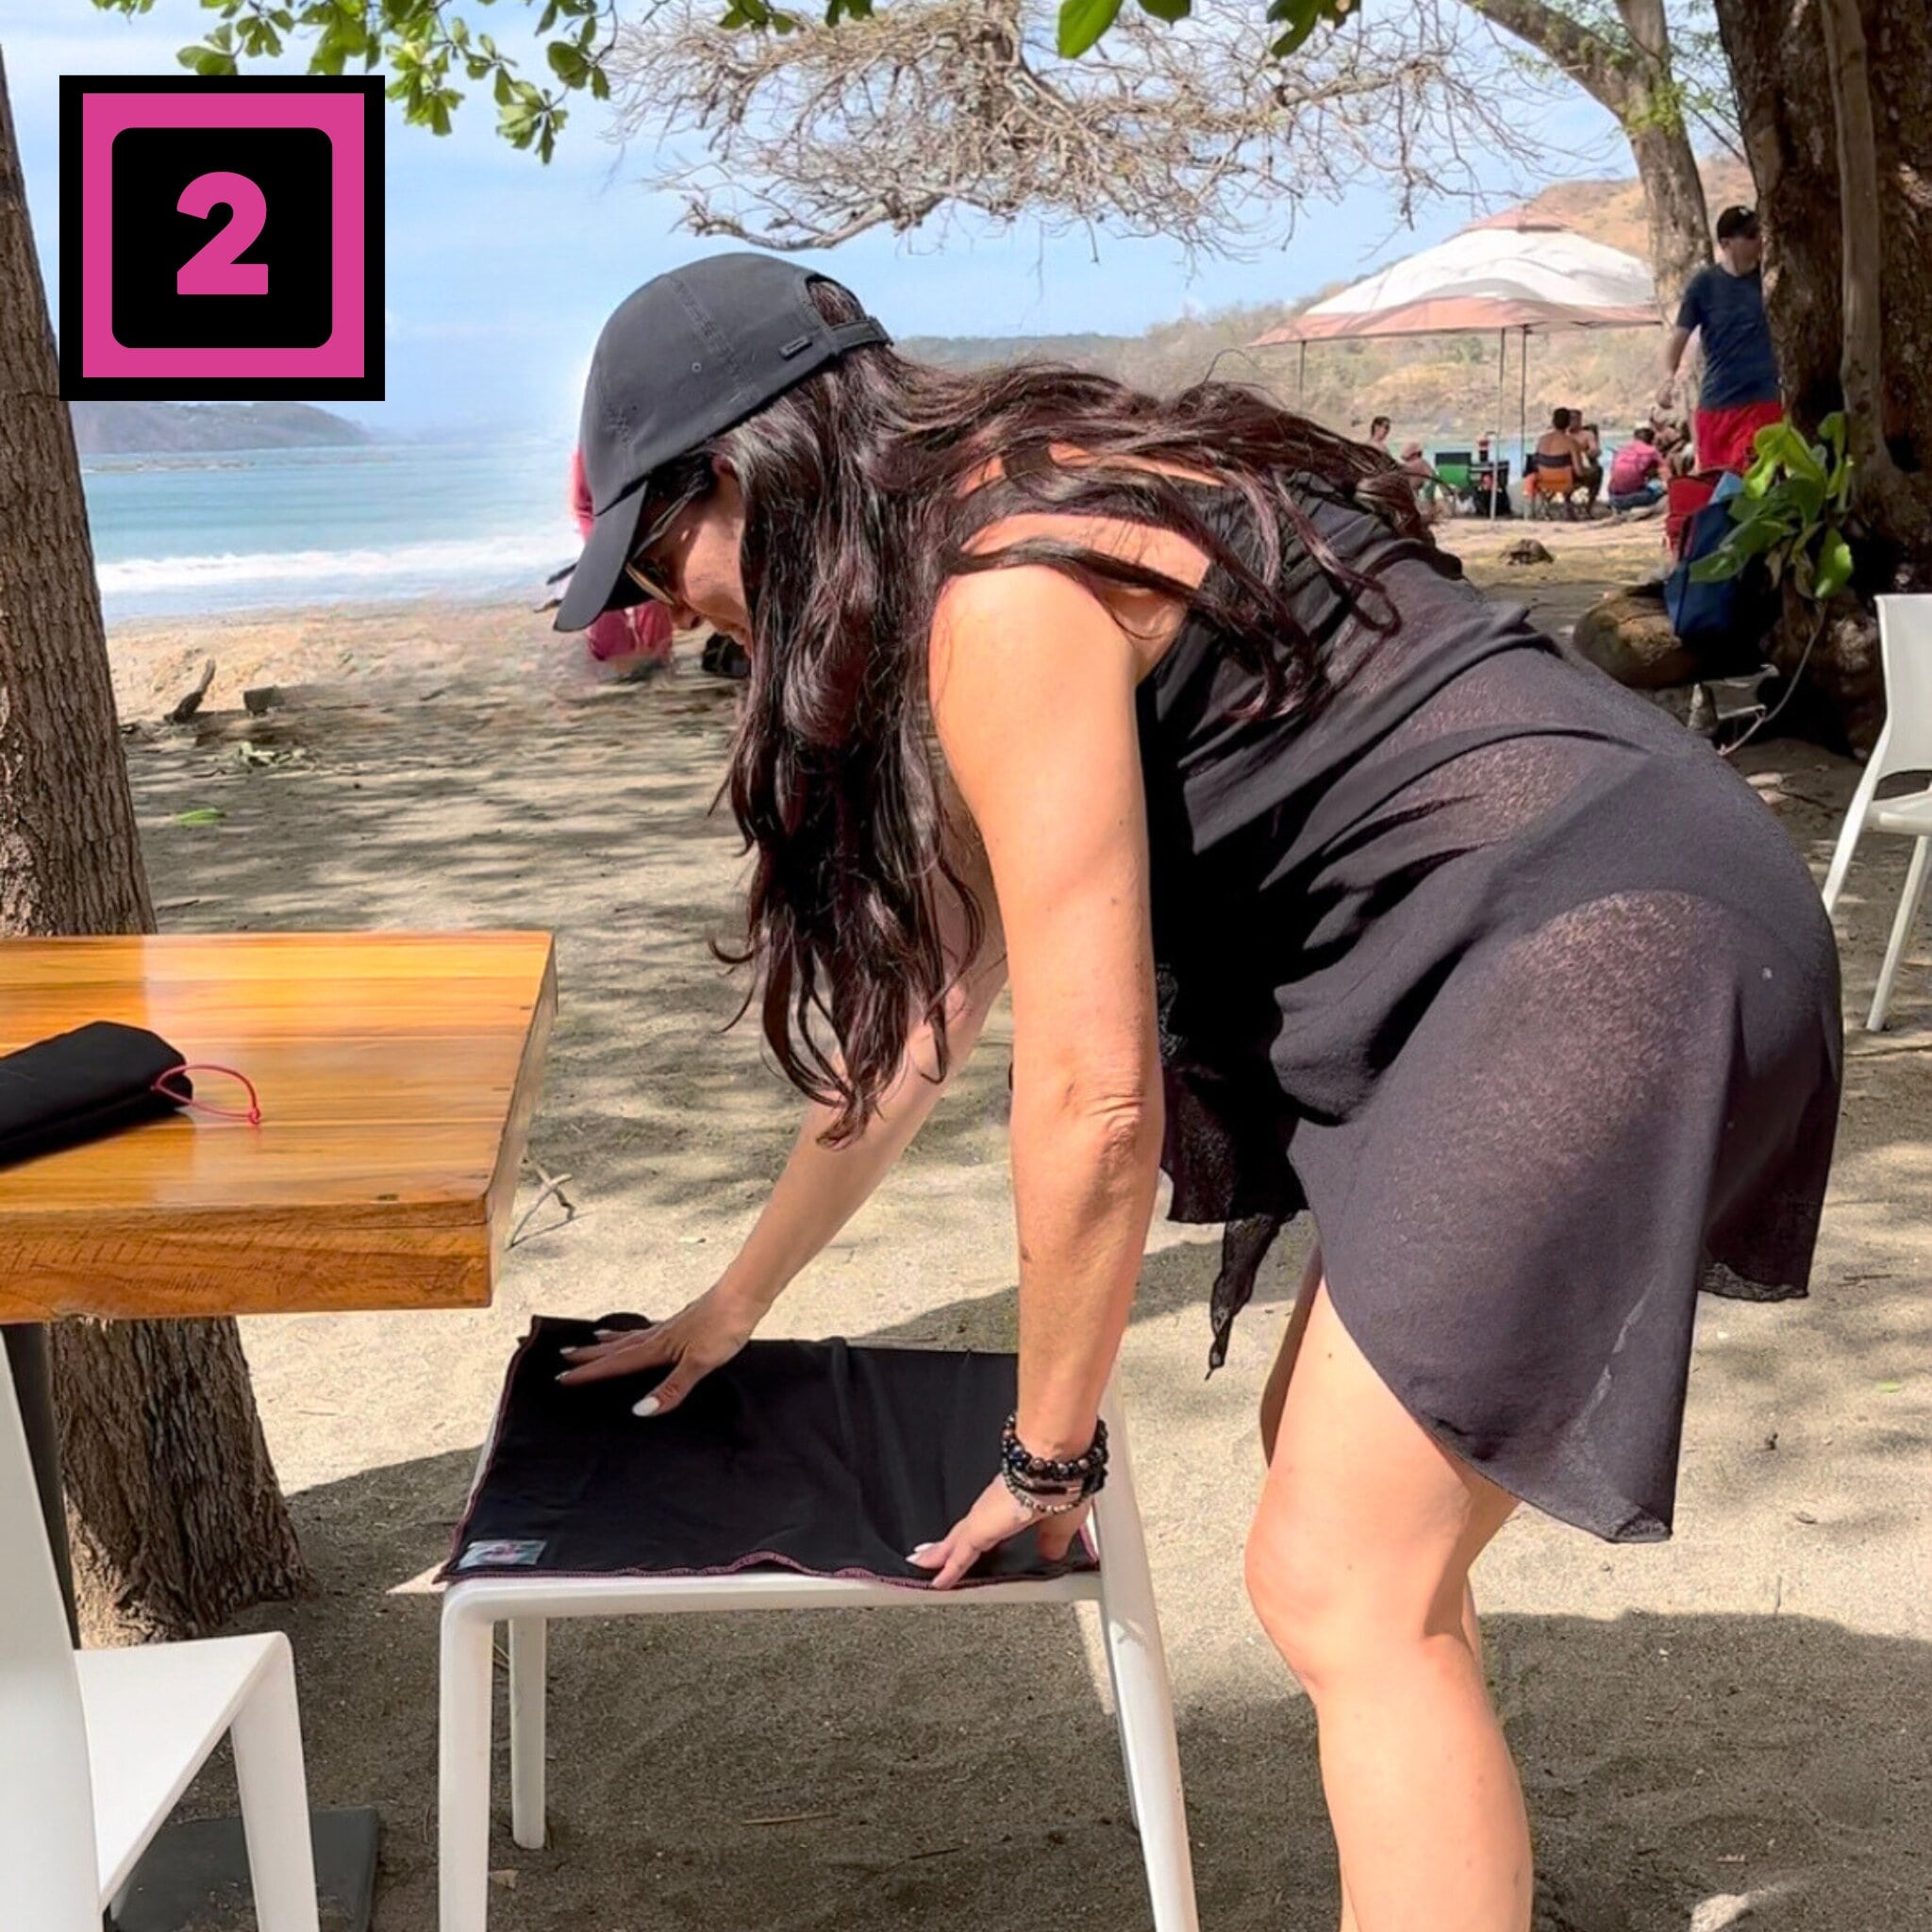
<point x="1724" y="305"/>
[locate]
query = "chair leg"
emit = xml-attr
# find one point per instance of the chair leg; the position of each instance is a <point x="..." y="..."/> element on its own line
<point x="1853" y="829"/>
<point x="528" y="1651"/>
<point x="1901" y="931"/>
<point x="1130" y="1629"/>
<point x="1113" y="1677"/>
<point x="267" y="1737"/>
<point x="463" y="1770"/>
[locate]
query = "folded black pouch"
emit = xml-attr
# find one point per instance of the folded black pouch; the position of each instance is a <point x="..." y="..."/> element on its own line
<point x="82" y="1085"/>
<point x="813" y="1456"/>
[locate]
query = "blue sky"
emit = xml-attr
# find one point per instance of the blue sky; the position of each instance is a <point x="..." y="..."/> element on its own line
<point x="500" y="270"/>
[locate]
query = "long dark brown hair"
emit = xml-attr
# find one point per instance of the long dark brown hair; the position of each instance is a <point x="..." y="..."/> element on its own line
<point x="863" y="488"/>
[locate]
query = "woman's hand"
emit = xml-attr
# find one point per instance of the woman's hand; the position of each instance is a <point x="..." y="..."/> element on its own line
<point x="995" y="1516"/>
<point x="698" y="1339"/>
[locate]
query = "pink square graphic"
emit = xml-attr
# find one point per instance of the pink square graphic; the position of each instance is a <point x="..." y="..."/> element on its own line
<point x="105" y="115"/>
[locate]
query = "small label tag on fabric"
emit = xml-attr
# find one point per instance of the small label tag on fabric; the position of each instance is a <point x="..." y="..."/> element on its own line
<point x="503" y="1554"/>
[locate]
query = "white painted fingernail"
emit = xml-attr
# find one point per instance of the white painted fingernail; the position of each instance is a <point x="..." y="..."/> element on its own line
<point x="607" y="1334"/>
<point x="920" y="1549"/>
<point x="647" y="1407"/>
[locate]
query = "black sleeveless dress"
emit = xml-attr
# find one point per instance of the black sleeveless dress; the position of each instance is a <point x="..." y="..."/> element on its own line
<point x="1525" y="994"/>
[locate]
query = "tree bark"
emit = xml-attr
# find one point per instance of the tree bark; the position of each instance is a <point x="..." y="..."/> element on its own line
<point x="1880" y="489"/>
<point x="1777" y="57"/>
<point x="1653" y="120"/>
<point x="1637" y="82"/>
<point x="173" y="1505"/>
<point x="1793" y="123"/>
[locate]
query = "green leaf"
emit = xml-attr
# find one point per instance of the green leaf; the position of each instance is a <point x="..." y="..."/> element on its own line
<point x="1293" y="40"/>
<point x="567" y="62"/>
<point x="1169" y="11"/>
<point x="505" y="93"/>
<point x="1782" y="443"/>
<point x="600" y="84"/>
<point x="1834" y="565"/>
<point x="1754" y="539"/>
<point x="1719" y="567"/>
<point x="1807" y="492"/>
<point x="201" y="815"/>
<point x="1082" y="23"/>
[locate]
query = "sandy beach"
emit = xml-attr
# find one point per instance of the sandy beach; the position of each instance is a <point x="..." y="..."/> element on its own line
<point x="1730" y="1727"/>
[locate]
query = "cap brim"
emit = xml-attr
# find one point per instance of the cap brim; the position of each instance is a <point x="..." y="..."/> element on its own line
<point x="594" y="582"/>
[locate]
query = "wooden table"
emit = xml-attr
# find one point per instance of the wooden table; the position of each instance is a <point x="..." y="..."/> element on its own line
<point x="397" y="1075"/>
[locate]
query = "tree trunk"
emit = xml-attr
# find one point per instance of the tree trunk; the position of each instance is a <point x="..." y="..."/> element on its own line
<point x="175" y="1515"/>
<point x="1778" y="60"/>
<point x="1653" y="120"/>
<point x="1635" y="79"/>
<point x="1674" y="206"/>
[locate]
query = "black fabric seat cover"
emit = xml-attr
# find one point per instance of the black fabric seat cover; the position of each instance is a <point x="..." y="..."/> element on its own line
<point x="814" y="1457"/>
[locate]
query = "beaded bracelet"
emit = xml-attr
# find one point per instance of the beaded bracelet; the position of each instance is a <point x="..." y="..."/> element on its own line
<point x="1049" y="1485"/>
<point x="1038" y="1505"/>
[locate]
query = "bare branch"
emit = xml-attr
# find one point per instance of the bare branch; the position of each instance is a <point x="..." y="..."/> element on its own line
<point x="937" y="107"/>
<point x="1597" y="65"/>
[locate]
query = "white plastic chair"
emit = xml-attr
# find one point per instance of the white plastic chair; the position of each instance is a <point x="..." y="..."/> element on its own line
<point x="96" y="1746"/>
<point x="1905" y="656"/>
<point x="1131" y="1633"/>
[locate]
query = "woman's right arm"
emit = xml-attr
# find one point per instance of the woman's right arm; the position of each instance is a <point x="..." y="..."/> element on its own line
<point x="821" y="1188"/>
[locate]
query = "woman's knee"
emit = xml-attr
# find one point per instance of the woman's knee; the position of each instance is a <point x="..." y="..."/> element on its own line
<point x="1335" y="1607"/>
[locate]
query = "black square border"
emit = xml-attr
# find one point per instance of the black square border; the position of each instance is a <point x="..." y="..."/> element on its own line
<point x="366" y="387"/>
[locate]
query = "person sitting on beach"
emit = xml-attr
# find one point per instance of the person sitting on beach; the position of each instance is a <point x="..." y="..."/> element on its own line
<point x="1318" y="877"/>
<point x="1634" y="480"/>
<point x="1379" y="428"/>
<point x="1430" y="491"/>
<point x="1590" y="468"/>
<point x="1556" y="463"/>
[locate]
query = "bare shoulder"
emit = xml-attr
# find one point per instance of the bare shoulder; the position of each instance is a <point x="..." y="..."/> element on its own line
<point x="1018" y="633"/>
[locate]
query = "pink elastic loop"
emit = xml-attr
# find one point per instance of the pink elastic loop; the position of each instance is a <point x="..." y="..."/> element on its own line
<point x="221" y="1113"/>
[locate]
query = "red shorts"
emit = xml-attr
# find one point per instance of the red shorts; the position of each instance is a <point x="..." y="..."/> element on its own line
<point x="1724" y="435"/>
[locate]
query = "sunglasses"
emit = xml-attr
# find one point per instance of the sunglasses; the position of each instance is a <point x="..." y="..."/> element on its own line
<point x="645" y="575"/>
<point x="648" y="574"/>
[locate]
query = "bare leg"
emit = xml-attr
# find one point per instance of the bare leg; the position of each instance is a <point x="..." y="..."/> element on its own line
<point x="1359" y="1564"/>
<point x="1275" y="1393"/>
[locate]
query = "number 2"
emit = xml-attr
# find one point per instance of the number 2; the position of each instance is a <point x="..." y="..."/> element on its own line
<point x="212" y="269"/>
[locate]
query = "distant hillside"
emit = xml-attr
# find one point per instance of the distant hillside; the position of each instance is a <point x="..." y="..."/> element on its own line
<point x="1439" y="389"/>
<point x="166" y="428"/>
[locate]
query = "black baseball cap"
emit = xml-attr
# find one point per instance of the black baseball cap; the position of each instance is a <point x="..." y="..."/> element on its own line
<point x="684" y="358"/>
<point x="1736" y="221"/>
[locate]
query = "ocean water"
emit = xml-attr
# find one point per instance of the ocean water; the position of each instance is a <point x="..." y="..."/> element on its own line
<point x="194" y="535"/>
<point x="198" y="535"/>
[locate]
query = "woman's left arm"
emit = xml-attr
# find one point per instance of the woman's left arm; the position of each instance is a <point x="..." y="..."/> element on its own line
<point x="1033" y="698"/>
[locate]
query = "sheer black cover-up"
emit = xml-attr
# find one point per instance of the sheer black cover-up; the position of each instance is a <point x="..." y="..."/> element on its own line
<point x="1500" y="973"/>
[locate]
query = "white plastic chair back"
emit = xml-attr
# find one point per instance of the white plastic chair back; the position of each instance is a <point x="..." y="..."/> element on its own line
<point x="46" y="1791"/>
<point x="1904" y="744"/>
<point x="1904" y="653"/>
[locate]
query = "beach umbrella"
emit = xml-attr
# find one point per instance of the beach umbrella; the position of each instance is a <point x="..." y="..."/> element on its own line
<point x="1517" y="271"/>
